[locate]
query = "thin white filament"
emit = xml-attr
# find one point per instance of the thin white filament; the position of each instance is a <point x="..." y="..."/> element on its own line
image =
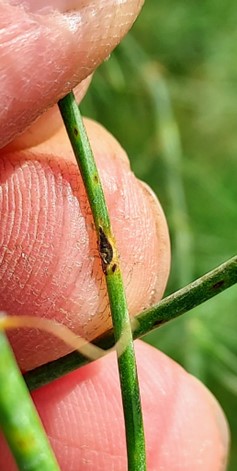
<point x="76" y="342"/>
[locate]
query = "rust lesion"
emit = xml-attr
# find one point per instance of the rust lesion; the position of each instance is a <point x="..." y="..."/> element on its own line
<point x="218" y="285"/>
<point x="105" y="250"/>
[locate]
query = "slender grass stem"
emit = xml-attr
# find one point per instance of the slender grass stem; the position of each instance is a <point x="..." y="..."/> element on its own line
<point x="187" y="298"/>
<point x="19" y="420"/>
<point x="116" y="293"/>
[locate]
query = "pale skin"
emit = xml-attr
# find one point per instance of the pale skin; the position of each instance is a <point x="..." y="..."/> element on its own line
<point x="49" y="263"/>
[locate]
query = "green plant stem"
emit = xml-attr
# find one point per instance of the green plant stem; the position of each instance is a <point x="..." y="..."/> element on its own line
<point x="110" y="264"/>
<point x="19" y="420"/>
<point x="187" y="298"/>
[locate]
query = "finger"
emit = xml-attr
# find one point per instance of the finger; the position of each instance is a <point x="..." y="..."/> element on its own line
<point x="46" y="125"/>
<point x="49" y="263"/>
<point x="82" y="414"/>
<point x="45" y="52"/>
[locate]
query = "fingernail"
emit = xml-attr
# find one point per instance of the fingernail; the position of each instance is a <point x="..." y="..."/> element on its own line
<point x="157" y="208"/>
<point x="223" y="428"/>
<point x="163" y="243"/>
<point x="151" y="195"/>
<point x="221" y="422"/>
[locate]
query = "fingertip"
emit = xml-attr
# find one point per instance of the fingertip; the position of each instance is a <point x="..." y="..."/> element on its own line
<point x="47" y="126"/>
<point x="54" y="253"/>
<point x="61" y="50"/>
<point x="82" y="414"/>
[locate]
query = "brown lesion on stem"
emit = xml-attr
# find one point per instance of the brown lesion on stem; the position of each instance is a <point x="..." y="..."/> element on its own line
<point x="218" y="285"/>
<point x="106" y="251"/>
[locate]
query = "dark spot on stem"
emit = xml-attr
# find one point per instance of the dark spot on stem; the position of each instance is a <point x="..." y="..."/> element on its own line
<point x="218" y="285"/>
<point x="105" y="250"/>
<point x="114" y="267"/>
<point x="75" y="130"/>
<point x="95" y="178"/>
<point x="159" y="323"/>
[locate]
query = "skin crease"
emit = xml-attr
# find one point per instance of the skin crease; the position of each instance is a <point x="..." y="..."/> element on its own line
<point x="185" y="428"/>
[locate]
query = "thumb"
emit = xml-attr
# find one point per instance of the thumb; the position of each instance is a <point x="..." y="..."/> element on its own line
<point x="46" y="48"/>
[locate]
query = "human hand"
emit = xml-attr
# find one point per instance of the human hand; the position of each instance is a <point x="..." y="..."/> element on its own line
<point x="49" y="265"/>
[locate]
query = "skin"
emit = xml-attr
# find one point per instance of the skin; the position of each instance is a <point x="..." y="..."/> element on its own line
<point x="49" y="265"/>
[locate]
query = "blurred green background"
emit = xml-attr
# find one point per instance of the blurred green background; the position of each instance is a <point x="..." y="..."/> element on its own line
<point x="169" y="94"/>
